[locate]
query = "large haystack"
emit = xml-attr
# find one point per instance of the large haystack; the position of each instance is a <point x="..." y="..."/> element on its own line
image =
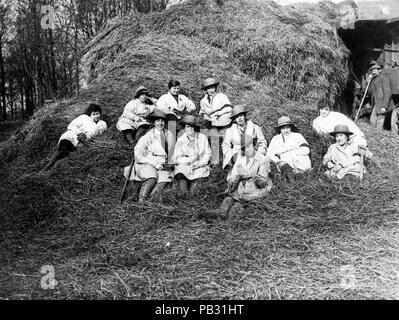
<point x="276" y="60"/>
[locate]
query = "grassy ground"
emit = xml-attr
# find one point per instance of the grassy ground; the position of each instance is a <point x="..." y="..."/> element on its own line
<point x="7" y="128"/>
<point x="314" y="240"/>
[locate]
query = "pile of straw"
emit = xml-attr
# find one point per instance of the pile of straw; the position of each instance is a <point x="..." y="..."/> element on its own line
<point x="304" y="241"/>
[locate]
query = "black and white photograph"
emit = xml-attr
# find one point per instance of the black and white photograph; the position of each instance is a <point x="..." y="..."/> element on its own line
<point x="200" y="155"/>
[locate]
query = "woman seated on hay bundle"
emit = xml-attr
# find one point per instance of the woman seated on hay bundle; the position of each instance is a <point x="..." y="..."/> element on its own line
<point x="192" y="154"/>
<point x="233" y="140"/>
<point x="133" y="121"/>
<point x="248" y="180"/>
<point x="80" y="130"/>
<point x="342" y="157"/>
<point x="289" y="150"/>
<point x="174" y="102"/>
<point x="151" y="155"/>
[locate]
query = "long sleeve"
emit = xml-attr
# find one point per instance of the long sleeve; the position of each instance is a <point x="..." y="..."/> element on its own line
<point x="202" y="106"/>
<point x="130" y="111"/>
<point x="77" y="124"/>
<point x="328" y="156"/>
<point x="141" y="152"/>
<point x="102" y="127"/>
<point x="273" y="149"/>
<point x="387" y="92"/>
<point x="205" y="150"/>
<point x="162" y="104"/>
<point x="179" y="157"/>
<point x="227" y="145"/>
<point x="303" y="146"/>
<point x="316" y="127"/>
<point x="188" y="104"/>
<point x="262" y="143"/>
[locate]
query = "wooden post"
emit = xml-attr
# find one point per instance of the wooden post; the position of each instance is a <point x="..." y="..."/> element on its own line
<point x="362" y="152"/>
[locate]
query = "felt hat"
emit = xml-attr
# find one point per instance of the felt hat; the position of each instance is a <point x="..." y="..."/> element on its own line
<point x="209" y="82"/>
<point x="190" y="120"/>
<point x="140" y="91"/>
<point x="285" y="121"/>
<point x="375" y="66"/>
<point x="340" y="128"/>
<point x="157" y="114"/>
<point x="237" y="110"/>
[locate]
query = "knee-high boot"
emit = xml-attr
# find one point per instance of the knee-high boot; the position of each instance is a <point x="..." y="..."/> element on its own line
<point x="57" y="155"/>
<point x="183" y="185"/>
<point x="146" y="188"/>
<point x="158" y="189"/>
<point x="223" y="210"/>
<point x="288" y="172"/>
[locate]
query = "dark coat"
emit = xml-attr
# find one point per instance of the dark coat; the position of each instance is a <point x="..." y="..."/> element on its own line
<point x="381" y="92"/>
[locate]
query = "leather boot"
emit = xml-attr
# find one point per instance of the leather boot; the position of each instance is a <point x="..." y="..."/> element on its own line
<point x="183" y="185"/>
<point x="236" y="209"/>
<point x="158" y="189"/>
<point x="191" y="187"/>
<point x="146" y="188"/>
<point x="223" y="210"/>
<point x="54" y="158"/>
<point x="288" y="172"/>
<point x="129" y="138"/>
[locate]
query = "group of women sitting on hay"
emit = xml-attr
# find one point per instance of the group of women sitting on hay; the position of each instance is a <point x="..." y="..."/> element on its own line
<point x="160" y="157"/>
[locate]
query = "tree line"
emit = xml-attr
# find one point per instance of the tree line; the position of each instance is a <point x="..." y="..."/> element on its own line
<point x="42" y="43"/>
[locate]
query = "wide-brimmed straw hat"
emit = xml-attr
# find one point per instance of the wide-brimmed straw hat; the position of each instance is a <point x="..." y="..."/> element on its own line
<point x="190" y="120"/>
<point x="285" y="121"/>
<point x="140" y="91"/>
<point x="237" y="110"/>
<point x="157" y="114"/>
<point x="341" y="128"/>
<point x="209" y="82"/>
<point x="375" y="66"/>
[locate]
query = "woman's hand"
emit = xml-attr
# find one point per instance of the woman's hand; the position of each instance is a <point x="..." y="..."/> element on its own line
<point x="159" y="166"/>
<point x="82" y="137"/>
<point x="337" y="167"/>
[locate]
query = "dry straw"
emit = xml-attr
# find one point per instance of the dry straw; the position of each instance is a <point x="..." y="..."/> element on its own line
<point x="317" y="239"/>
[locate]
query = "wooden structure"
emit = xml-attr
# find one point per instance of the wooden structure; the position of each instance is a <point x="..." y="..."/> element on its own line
<point x="370" y="30"/>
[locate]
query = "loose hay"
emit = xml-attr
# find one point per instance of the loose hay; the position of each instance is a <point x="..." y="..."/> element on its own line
<point x="316" y="239"/>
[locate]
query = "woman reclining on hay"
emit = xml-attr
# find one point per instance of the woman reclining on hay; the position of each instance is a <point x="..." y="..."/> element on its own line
<point x="342" y="157"/>
<point x="151" y="155"/>
<point x="248" y="180"/>
<point x="192" y="154"/>
<point x="133" y="121"/>
<point x="233" y="140"/>
<point x="328" y="119"/>
<point x="80" y="130"/>
<point x="289" y="150"/>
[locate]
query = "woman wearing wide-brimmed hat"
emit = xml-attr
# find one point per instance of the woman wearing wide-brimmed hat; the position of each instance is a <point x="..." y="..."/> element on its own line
<point x="133" y="121"/>
<point x="192" y="154"/>
<point x="215" y="107"/>
<point x="234" y="137"/>
<point x="152" y="155"/>
<point x="289" y="150"/>
<point x="342" y="158"/>
<point x="248" y="180"/>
